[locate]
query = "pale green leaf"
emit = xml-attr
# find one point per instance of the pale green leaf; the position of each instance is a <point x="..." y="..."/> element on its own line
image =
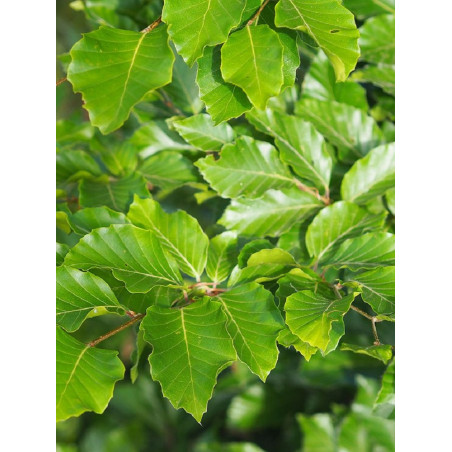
<point x="377" y="40"/>
<point x="136" y="356"/>
<point x="384" y="405"/>
<point x="128" y="64"/>
<point x="343" y="125"/>
<point x="381" y="75"/>
<point x="381" y="352"/>
<point x="85" y="376"/>
<point x="300" y="145"/>
<point x="337" y="222"/>
<point x="190" y="348"/>
<point x="80" y="295"/>
<point x="272" y="214"/>
<point x="251" y="6"/>
<point x="315" y="319"/>
<point x="378" y="289"/>
<point x="200" y="131"/>
<point x="318" y="432"/>
<point x="72" y="165"/>
<point x="253" y="323"/>
<point x="250" y="248"/>
<point x="252" y="59"/>
<point x="246" y="168"/>
<point x="223" y="100"/>
<point x="287" y="339"/>
<point x="390" y="200"/>
<point x="73" y="132"/>
<point x="320" y="83"/>
<point x="168" y="170"/>
<point x="365" y="8"/>
<point x="194" y="24"/>
<point x="178" y="232"/>
<point x="62" y="222"/>
<point x="85" y="220"/>
<point x="370" y="176"/>
<point x="299" y="279"/>
<point x="221" y="256"/>
<point x="331" y="26"/>
<point x="135" y="256"/>
<point x="114" y="193"/>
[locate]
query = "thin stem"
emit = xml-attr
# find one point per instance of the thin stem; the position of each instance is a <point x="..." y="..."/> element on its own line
<point x="364" y="314"/>
<point x="154" y="24"/>
<point x="258" y="12"/>
<point x="374" y="330"/>
<point x="325" y="199"/>
<point x="117" y="330"/>
<point x="60" y="81"/>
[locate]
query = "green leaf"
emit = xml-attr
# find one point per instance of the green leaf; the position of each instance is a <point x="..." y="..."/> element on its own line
<point x="370" y="176"/>
<point x="129" y="64"/>
<point x="252" y="59"/>
<point x="317" y="320"/>
<point x="85" y="220"/>
<point x="194" y="24"/>
<point x="253" y="323"/>
<point x="135" y="256"/>
<point x="331" y="26"/>
<point x="300" y="145"/>
<point x="390" y="200"/>
<point x="320" y="83"/>
<point x="378" y="289"/>
<point x="381" y="352"/>
<point x="72" y="132"/>
<point x="287" y="339"/>
<point x="246" y="168"/>
<point x="363" y="9"/>
<point x="337" y="222"/>
<point x="318" y="432"/>
<point x="80" y="295"/>
<point x="377" y="40"/>
<point x="74" y="165"/>
<point x="221" y="256"/>
<point x="384" y="405"/>
<point x="114" y="193"/>
<point x="190" y="348"/>
<point x="223" y="100"/>
<point x="299" y="279"/>
<point x="178" y="232"/>
<point x="250" y="248"/>
<point x="380" y="75"/>
<point x="85" y="376"/>
<point x="272" y="214"/>
<point x="368" y="251"/>
<point x="200" y="131"/>
<point x="168" y="170"/>
<point x="62" y="222"/>
<point x="343" y="125"/>
<point x="61" y="250"/>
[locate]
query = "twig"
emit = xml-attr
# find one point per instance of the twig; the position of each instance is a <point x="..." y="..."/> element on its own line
<point x="257" y="13"/>
<point x="325" y="199"/>
<point x="364" y="314"/>
<point x="60" y="81"/>
<point x="154" y="24"/>
<point x="374" y="330"/>
<point x="117" y="330"/>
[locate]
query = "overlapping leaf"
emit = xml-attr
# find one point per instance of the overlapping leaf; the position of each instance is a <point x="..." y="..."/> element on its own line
<point x="381" y="352"/>
<point x="85" y="376"/>
<point x="85" y="220"/>
<point x="246" y="168"/>
<point x="190" y="348"/>
<point x="128" y="64"/>
<point x="221" y="256"/>
<point x="134" y="255"/>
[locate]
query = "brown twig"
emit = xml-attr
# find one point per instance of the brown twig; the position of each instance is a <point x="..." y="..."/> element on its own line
<point x="154" y="24"/>
<point x="61" y="80"/>
<point x="117" y="330"/>
<point x="313" y="191"/>
<point x="256" y="15"/>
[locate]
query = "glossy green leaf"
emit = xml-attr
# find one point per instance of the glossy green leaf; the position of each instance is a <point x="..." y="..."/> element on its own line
<point x="221" y="256"/>
<point x="252" y="59"/>
<point x="317" y="320"/>
<point x="200" y="131"/>
<point x="190" y="348"/>
<point x="195" y="24"/>
<point x="378" y="289"/>
<point x="375" y="249"/>
<point x="73" y="132"/>
<point x="223" y="100"/>
<point x="80" y="295"/>
<point x="320" y="83"/>
<point x="381" y="352"/>
<point x="390" y="200"/>
<point x="168" y="170"/>
<point x="343" y="125"/>
<point x="135" y="256"/>
<point x="318" y="432"/>
<point x="377" y="40"/>
<point x="300" y="145"/>
<point x="85" y="220"/>
<point x="61" y="250"/>
<point x="253" y="323"/>
<point x="331" y="26"/>
<point x="287" y="339"/>
<point x="250" y="248"/>
<point x="337" y="222"/>
<point x="384" y="405"/>
<point x="72" y="165"/>
<point x="130" y="64"/>
<point x="370" y="176"/>
<point x="246" y="168"/>
<point x="272" y="214"/>
<point x="178" y="232"/>
<point x="114" y="193"/>
<point x="85" y="376"/>
<point x="380" y="75"/>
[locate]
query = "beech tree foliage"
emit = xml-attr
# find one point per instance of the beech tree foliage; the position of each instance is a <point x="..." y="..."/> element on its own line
<point x="279" y="114"/>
